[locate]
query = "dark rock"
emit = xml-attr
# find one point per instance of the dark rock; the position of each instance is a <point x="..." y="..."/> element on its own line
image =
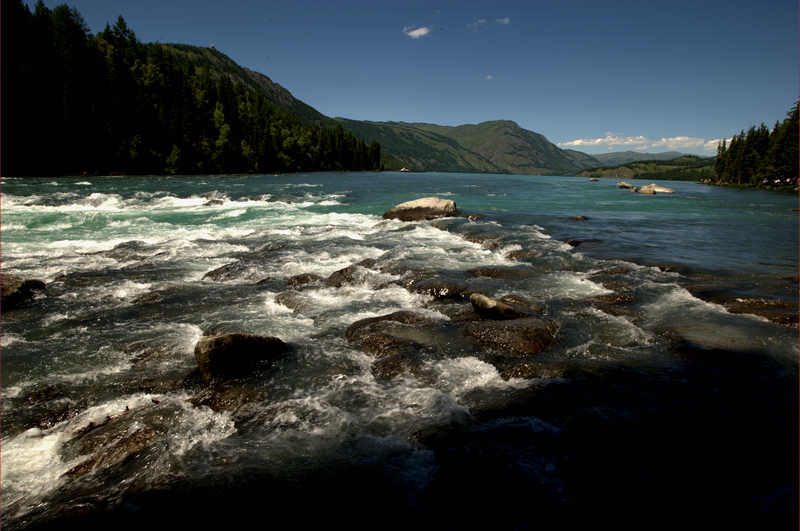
<point x="574" y="243"/>
<point x="488" y="241"/>
<point x="518" y="337"/>
<point x="504" y="273"/>
<point x="232" y="271"/>
<point x="397" y="363"/>
<point x="348" y="274"/>
<point x="528" y="370"/>
<point x="303" y="279"/>
<point x="422" y="209"/>
<point x="579" y="218"/>
<point x="489" y="308"/>
<point x="234" y="355"/>
<point x="523" y="255"/>
<point x="115" y="451"/>
<point x="16" y="291"/>
<point x="442" y="289"/>
<point x="294" y="300"/>
<point x="356" y="331"/>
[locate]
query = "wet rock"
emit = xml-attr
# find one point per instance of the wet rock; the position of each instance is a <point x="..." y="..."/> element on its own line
<point x="529" y="370"/>
<point x="645" y="190"/>
<point x="397" y="363"/>
<point x="574" y="243"/>
<point x="523" y="255"/>
<point x="232" y="271"/>
<point x="505" y="273"/>
<point x="488" y="241"/>
<point x="474" y="217"/>
<point x="489" y="308"/>
<point x="303" y="280"/>
<point x="422" y="209"/>
<point x="442" y="289"/>
<point x="579" y="218"/>
<point x="115" y="451"/>
<point x="232" y="355"/>
<point x="360" y="329"/>
<point x="516" y="338"/>
<point x="624" y="185"/>
<point x="622" y="299"/>
<point x="16" y="291"/>
<point x="227" y="397"/>
<point x="294" y="300"/>
<point x="349" y="274"/>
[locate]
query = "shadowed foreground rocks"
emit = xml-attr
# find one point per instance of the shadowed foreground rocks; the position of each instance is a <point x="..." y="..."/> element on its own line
<point x="16" y="291"/>
<point x="235" y="355"/>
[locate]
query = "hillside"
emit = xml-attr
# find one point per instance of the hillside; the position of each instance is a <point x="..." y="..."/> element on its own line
<point x="499" y="146"/>
<point x="624" y="157"/>
<point x="683" y="168"/>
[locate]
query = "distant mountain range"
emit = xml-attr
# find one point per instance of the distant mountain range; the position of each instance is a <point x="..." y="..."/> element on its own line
<point x="499" y="146"/>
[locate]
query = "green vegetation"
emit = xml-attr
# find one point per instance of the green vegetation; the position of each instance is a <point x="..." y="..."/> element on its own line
<point x="760" y="157"/>
<point x="73" y="102"/>
<point x="494" y="147"/>
<point x="683" y="168"/>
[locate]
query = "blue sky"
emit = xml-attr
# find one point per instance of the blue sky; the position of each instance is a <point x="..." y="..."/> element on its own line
<point x="589" y="75"/>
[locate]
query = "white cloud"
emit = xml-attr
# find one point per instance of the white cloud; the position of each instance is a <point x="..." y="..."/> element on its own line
<point x="416" y="33"/>
<point x="504" y="20"/>
<point x="489" y="77"/>
<point x="642" y="143"/>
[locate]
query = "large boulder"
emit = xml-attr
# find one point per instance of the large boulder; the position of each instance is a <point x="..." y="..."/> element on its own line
<point x="515" y="338"/>
<point x="232" y="355"/>
<point x="624" y="185"/>
<point x="16" y="290"/>
<point x="421" y="209"/>
<point x="652" y="189"/>
<point x="349" y="274"/>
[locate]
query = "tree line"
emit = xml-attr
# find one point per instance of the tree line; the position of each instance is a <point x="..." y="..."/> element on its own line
<point x="760" y="156"/>
<point x="73" y="102"/>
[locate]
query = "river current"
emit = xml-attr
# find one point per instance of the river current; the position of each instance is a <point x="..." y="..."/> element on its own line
<point x="670" y="387"/>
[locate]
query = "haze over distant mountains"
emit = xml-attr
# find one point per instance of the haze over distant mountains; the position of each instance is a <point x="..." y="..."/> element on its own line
<point x="500" y="146"/>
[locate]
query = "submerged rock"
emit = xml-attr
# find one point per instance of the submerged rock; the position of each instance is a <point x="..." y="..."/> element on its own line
<point x="505" y="273"/>
<point x="524" y="255"/>
<point x="303" y="279"/>
<point x="231" y="355"/>
<point x="442" y="289"/>
<point x="422" y="209"/>
<point x="516" y="338"/>
<point x="348" y="274"/>
<point x="15" y="290"/>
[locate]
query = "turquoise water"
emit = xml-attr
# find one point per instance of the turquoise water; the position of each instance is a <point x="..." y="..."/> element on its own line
<point x="691" y="294"/>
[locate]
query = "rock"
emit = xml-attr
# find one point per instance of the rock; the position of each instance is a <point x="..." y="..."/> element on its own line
<point x="358" y="330"/>
<point x="395" y="364"/>
<point x="115" y="451"/>
<point x="231" y="355"/>
<point x="574" y="243"/>
<point x="347" y="275"/>
<point x="442" y="289"/>
<point x="303" y="279"/>
<point x="528" y="369"/>
<point x="522" y="303"/>
<point x="515" y="338"/>
<point x="233" y="271"/>
<point x="474" y="217"/>
<point x="489" y="308"/>
<point x="422" y="209"/>
<point x="623" y="184"/>
<point x="523" y="255"/>
<point x="294" y="300"/>
<point x="579" y="218"/>
<point x="15" y="290"/>
<point x="593" y="180"/>
<point x="653" y="188"/>
<point x="645" y="190"/>
<point x="488" y="241"/>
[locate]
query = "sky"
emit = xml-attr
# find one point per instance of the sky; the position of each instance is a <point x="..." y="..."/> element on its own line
<point x="589" y="75"/>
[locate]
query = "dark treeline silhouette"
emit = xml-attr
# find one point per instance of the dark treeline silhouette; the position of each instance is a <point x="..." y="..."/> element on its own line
<point x="760" y="156"/>
<point x="73" y="102"/>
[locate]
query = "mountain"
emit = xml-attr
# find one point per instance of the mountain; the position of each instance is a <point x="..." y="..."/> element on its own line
<point x="499" y="146"/>
<point x="220" y="64"/>
<point x="682" y="168"/>
<point x="624" y="157"/>
<point x="490" y="147"/>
